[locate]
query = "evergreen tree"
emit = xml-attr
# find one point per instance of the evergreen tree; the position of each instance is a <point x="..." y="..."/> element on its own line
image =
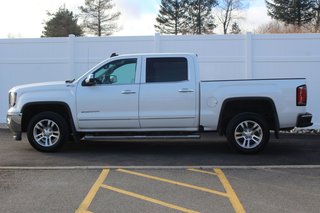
<point x="199" y="18"/>
<point x="296" y="12"/>
<point x="235" y="29"/>
<point x="62" y="23"/>
<point x="171" y="17"/>
<point x="98" y="17"/>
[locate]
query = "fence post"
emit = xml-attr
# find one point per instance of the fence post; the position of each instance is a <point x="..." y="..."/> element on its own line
<point x="71" y="60"/>
<point x="157" y="42"/>
<point x="248" y="55"/>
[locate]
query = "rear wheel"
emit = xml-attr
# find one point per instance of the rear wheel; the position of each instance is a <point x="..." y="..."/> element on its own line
<point x="47" y="131"/>
<point x="248" y="133"/>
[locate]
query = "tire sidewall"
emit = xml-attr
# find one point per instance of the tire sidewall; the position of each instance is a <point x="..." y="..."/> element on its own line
<point x="63" y="128"/>
<point x="232" y="125"/>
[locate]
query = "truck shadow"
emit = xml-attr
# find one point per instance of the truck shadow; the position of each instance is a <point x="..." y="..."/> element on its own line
<point x="290" y="150"/>
<point x="147" y="153"/>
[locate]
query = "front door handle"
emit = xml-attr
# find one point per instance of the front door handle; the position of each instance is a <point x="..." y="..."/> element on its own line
<point x="184" y="90"/>
<point x="127" y="92"/>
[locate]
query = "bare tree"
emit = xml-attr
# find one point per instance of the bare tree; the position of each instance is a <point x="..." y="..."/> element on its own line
<point x="316" y="9"/>
<point x="99" y="17"/>
<point x="276" y="27"/>
<point x="229" y="11"/>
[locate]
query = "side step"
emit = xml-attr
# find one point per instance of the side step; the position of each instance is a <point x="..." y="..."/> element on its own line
<point x="137" y="137"/>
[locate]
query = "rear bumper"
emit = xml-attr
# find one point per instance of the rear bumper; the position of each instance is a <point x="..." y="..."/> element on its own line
<point x="304" y="120"/>
<point x="14" y="124"/>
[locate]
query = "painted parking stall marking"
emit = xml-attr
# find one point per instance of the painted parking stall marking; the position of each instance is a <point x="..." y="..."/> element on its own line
<point x="135" y="195"/>
<point x="102" y="183"/>
<point x="83" y="208"/>
<point x="174" y="182"/>
<point x="227" y="186"/>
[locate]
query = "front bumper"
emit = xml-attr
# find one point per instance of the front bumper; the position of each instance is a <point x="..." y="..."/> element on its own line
<point x="14" y="124"/>
<point x="304" y="120"/>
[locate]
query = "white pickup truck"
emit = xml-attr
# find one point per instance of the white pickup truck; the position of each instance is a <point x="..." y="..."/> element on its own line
<point x="156" y="96"/>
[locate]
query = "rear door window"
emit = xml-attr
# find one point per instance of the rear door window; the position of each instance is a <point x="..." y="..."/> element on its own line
<point x="166" y="69"/>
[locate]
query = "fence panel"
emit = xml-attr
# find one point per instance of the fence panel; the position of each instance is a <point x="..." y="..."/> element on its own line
<point x="220" y="57"/>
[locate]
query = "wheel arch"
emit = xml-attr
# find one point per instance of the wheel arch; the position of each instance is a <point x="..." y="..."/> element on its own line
<point x="33" y="108"/>
<point x="263" y="106"/>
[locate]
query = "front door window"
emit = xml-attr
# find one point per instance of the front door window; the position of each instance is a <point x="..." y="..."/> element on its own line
<point x="117" y="72"/>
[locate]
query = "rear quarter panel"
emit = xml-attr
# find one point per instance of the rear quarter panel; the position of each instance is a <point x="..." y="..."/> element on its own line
<point x="281" y="91"/>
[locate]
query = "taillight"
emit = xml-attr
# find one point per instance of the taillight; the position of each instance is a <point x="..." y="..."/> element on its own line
<point x="302" y="95"/>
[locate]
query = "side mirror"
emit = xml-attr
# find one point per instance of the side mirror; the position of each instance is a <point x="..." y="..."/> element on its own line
<point x="113" y="79"/>
<point x="90" y="80"/>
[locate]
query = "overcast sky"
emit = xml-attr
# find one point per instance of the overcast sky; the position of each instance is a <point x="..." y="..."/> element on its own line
<point x="25" y="18"/>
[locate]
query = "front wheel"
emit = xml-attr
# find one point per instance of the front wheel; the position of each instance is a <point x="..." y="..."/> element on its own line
<point x="47" y="131"/>
<point x="248" y="133"/>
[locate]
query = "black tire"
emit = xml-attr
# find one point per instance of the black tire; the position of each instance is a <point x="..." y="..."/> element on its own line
<point x="47" y="131"/>
<point x="248" y="133"/>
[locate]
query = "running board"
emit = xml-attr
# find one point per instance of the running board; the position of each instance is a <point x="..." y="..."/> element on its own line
<point x="136" y="137"/>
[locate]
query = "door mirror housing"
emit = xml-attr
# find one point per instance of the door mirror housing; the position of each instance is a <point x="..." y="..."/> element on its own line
<point x="89" y="81"/>
<point x="113" y="79"/>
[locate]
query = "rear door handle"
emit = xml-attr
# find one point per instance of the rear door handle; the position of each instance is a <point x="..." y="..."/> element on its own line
<point x="127" y="92"/>
<point x="184" y="90"/>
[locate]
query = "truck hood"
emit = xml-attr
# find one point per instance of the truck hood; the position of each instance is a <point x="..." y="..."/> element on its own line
<point x="46" y="86"/>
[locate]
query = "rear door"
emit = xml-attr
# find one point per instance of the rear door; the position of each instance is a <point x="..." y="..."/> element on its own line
<point x="167" y="93"/>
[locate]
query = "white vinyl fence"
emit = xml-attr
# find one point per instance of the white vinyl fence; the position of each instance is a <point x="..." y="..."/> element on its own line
<point x="221" y="57"/>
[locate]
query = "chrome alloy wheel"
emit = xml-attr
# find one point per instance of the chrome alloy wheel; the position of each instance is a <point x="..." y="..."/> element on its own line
<point x="248" y="134"/>
<point x="46" y="133"/>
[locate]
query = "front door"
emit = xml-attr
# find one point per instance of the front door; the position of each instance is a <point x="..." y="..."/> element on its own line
<point x="112" y="102"/>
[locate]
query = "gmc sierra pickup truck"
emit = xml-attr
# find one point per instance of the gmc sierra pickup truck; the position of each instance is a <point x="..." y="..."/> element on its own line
<point x="156" y="96"/>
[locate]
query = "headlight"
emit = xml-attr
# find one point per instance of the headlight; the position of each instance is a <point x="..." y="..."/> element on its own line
<point x="12" y="99"/>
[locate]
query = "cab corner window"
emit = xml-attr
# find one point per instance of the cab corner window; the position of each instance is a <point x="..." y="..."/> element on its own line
<point x="122" y="71"/>
<point x="166" y="69"/>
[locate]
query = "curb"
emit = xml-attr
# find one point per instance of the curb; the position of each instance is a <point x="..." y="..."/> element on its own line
<point x="157" y="167"/>
<point x="3" y="126"/>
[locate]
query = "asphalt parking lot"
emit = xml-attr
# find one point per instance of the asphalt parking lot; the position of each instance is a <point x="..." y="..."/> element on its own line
<point x="174" y="176"/>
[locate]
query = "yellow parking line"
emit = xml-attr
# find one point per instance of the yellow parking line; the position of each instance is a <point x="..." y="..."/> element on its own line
<point x="174" y="182"/>
<point x="203" y="171"/>
<point x="232" y="195"/>
<point x="83" y="208"/>
<point x="147" y="199"/>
